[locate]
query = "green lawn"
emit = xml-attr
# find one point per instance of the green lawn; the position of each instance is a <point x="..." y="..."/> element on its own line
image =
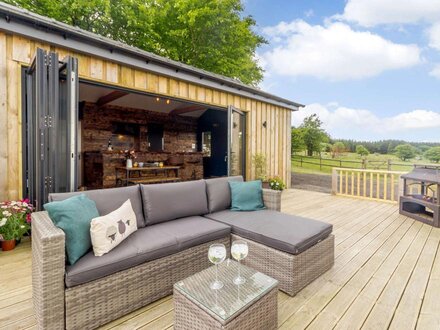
<point x="351" y="160"/>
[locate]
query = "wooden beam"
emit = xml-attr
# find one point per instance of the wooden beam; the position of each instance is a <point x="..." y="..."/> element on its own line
<point x="110" y="97"/>
<point x="181" y="111"/>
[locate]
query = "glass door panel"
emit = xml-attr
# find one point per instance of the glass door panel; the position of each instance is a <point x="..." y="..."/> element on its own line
<point x="236" y="142"/>
<point x="51" y="126"/>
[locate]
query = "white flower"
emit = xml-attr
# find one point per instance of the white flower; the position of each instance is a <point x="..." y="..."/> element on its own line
<point x="7" y="213"/>
<point x="21" y="226"/>
<point x="25" y="204"/>
<point x="4" y="207"/>
<point x="3" y="222"/>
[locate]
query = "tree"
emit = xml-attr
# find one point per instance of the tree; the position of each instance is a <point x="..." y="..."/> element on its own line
<point x="313" y="134"/>
<point x="433" y="154"/>
<point x="214" y="35"/>
<point x="362" y="151"/>
<point x="337" y="149"/>
<point x="405" y="151"/>
<point x="297" y="140"/>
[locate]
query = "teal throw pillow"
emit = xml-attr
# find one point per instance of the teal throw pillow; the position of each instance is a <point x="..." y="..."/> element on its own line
<point x="73" y="215"/>
<point x="246" y="196"/>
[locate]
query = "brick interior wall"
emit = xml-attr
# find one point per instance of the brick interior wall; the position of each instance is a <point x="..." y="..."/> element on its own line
<point x="100" y="165"/>
<point x="179" y="132"/>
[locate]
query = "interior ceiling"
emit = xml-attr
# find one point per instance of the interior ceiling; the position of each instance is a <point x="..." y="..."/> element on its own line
<point x="92" y="93"/>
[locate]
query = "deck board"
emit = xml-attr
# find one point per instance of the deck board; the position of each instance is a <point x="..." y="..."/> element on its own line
<point x="386" y="274"/>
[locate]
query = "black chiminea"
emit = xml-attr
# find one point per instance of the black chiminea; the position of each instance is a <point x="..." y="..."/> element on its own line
<point x="421" y="194"/>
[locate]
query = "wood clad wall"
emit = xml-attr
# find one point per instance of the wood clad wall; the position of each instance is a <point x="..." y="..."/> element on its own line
<point x="16" y="51"/>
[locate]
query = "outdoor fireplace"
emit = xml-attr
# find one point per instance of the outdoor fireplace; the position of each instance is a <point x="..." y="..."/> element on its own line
<point x="421" y="194"/>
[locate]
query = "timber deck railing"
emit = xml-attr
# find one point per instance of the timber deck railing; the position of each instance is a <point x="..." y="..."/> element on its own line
<point x="367" y="184"/>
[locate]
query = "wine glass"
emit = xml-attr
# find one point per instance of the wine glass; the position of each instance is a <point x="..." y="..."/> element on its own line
<point x="239" y="251"/>
<point x="217" y="254"/>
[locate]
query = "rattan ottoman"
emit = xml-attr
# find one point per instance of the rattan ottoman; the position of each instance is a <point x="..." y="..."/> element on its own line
<point x="252" y="305"/>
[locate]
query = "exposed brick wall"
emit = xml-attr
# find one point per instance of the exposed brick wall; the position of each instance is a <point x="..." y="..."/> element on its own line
<point x="179" y="132"/>
<point x="100" y="165"/>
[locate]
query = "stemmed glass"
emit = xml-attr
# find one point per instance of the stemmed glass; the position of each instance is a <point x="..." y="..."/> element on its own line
<point x="239" y="251"/>
<point x="216" y="254"/>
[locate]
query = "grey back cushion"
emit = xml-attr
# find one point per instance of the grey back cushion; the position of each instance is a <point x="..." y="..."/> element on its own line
<point x="219" y="193"/>
<point x="169" y="201"/>
<point x="108" y="200"/>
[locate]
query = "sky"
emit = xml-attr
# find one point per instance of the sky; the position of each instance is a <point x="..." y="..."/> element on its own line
<point x="369" y="68"/>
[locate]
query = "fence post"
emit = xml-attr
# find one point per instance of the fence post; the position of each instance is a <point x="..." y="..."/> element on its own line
<point x="320" y="163"/>
<point x="301" y="158"/>
<point x="334" y="181"/>
<point x="389" y="164"/>
<point x="364" y="163"/>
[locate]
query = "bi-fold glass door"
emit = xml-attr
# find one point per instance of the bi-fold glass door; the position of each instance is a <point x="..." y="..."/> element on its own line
<point x="236" y="142"/>
<point x="51" y="119"/>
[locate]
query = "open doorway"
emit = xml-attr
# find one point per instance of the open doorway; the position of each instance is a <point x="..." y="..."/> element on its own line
<point x="161" y="130"/>
<point x="75" y="132"/>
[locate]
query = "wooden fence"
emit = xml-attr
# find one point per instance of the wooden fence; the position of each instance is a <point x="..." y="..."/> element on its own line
<point x="367" y="184"/>
<point x="346" y="163"/>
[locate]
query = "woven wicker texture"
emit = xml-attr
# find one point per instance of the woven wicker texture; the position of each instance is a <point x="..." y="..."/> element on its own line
<point x="272" y="199"/>
<point x="293" y="272"/>
<point x="98" y="302"/>
<point x="48" y="264"/>
<point x="232" y="299"/>
<point x="262" y="315"/>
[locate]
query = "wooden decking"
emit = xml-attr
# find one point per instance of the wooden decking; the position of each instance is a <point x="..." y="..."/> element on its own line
<point x="386" y="274"/>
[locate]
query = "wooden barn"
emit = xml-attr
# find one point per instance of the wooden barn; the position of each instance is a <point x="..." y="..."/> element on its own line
<point x="71" y="101"/>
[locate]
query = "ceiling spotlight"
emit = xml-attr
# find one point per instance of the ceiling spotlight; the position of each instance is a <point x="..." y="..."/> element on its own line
<point x="168" y="101"/>
<point x="157" y="99"/>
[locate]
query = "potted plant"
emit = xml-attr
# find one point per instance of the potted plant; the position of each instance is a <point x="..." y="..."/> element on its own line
<point x="276" y="183"/>
<point x="260" y="165"/>
<point x="129" y="155"/>
<point x="276" y="186"/>
<point x="15" y="219"/>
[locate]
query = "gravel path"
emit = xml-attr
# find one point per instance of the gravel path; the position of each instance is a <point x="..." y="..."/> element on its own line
<point x="313" y="182"/>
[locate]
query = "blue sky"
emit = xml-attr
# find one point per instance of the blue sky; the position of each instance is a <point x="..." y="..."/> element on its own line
<point x="369" y="68"/>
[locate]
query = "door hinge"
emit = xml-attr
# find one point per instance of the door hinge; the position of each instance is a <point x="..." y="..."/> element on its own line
<point x="48" y="182"/>
<point x="48" y="121"/>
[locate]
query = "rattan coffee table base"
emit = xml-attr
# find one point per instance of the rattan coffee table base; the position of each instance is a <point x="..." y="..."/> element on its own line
<point x="263" y="314"/>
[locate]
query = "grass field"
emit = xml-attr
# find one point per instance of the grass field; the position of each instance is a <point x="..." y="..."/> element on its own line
<point x="351" y="160"/>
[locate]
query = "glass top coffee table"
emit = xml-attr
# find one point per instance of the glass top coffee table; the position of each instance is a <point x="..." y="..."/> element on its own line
<point x="252" y="305"/>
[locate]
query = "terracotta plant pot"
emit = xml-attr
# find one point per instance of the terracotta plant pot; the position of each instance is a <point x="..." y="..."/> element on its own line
<point x="8" y="245"/>
<point x="266" y="185"/>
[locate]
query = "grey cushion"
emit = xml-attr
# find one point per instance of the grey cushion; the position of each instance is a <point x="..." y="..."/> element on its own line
<point x="192" y="231"/>
<point x="219" y="193"/>
<point x="147" y="244"/>
<point x="169" y="201"/>
<point x="108" y="200"/>
<point x="284" y="232"/>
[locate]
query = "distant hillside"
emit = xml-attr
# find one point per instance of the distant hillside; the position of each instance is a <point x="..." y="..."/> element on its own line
<point x="384" y="146"/>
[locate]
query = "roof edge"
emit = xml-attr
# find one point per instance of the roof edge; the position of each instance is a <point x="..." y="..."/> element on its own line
<point x="65" y="31"/>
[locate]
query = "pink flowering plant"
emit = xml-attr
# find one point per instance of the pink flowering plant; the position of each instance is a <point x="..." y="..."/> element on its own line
<point x="15" y="219"/>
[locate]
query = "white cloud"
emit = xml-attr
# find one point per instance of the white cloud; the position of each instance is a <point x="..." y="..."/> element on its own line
<point x="343" y="122"/>
<point x="435" y="72"/>
<point x="434" y="36"/>
<point x="370" y="13"/>
<point x="333" y="52"/>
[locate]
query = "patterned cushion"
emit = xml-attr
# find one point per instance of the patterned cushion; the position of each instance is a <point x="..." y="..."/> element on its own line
<point x="109" y="230"/>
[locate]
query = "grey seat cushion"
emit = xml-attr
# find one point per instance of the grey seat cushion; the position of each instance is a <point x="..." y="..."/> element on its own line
<point x="108" y="200"/>
<point x="169" y="201"/>
<point x="219" y="193"/>
<point x="192" y="231"/>
<point x="284" y="232"/>
<point x="146" y="244"/>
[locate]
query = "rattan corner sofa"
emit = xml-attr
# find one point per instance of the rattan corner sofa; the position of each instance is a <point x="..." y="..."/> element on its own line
<point x="177" y="222"/>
